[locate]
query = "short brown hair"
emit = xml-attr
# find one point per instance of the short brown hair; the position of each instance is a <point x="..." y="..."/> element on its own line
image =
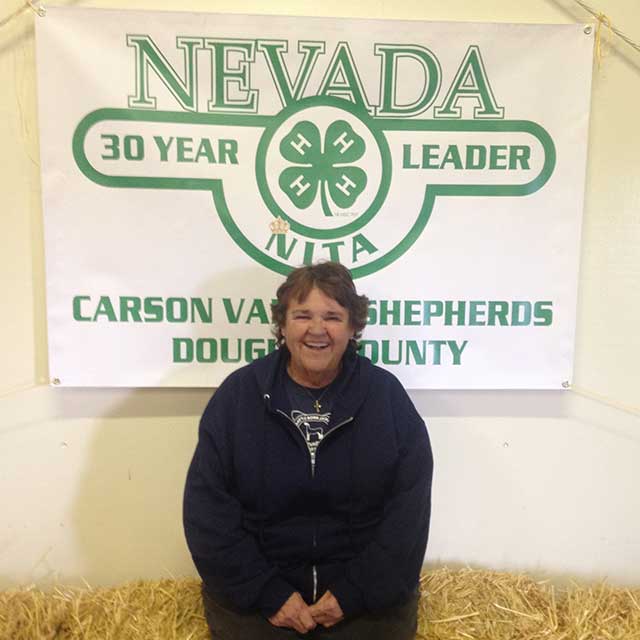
<point x="334" y="280"/>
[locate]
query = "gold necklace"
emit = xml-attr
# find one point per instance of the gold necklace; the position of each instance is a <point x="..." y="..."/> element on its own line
<point x="316" y="401"/>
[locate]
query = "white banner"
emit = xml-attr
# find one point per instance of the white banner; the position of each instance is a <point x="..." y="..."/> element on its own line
<point x="190" y="161"/>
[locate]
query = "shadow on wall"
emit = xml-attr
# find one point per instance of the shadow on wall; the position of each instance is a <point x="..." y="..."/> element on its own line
<point x="22" y="25"/>
<point x="127" y="515"/>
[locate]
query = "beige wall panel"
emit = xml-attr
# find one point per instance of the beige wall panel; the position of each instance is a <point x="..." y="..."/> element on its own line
<point x="542" y="481"/>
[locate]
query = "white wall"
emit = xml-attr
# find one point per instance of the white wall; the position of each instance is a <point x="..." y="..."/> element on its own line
<point x="91" y="480"/>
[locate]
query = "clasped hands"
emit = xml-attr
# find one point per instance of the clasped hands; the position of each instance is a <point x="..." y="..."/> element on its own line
<point x="296" y="614"/>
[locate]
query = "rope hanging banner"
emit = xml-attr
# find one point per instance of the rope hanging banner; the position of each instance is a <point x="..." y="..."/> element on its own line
<point x="604" y="19"/>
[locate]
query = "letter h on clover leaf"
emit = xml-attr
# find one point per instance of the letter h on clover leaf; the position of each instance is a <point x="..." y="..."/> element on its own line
<point x="326" y="167"/>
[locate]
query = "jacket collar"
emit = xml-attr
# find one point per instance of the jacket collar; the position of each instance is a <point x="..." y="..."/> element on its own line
<point x="352" y="382"/>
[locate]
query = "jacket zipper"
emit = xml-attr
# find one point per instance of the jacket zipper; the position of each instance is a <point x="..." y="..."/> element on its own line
<point x="312" y="460"/>
<point x="313" y="455"/>
<point x="315" y="571"/>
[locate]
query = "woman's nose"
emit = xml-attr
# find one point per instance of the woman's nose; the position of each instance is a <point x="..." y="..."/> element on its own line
<point x="317" y="325"/>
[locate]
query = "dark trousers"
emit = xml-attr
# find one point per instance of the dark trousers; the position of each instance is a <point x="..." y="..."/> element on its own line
<point x="396" y="623"/>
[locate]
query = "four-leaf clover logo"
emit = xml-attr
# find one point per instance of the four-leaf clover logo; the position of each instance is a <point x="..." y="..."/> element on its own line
<point x="326" y="167"/>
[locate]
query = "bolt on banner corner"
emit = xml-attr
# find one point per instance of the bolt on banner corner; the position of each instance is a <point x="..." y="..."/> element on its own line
<point x="190" y="161"/>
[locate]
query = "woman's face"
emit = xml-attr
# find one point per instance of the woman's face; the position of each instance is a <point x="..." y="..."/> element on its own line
<point x="316" y="332"/>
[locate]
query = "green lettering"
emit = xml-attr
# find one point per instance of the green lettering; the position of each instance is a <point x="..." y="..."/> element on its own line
<point x="427" y="63"/>
<point x="406" y="158"/>
<point x="452" y="156"/>
<point x="259" y="311"/>
<point x="342" y="80"/>
<point x="77" y="309"/>
<point x="470" y="82"/>
<point x="498" y="310"/>
<point x="163" y="147"/>
<point x="334" y="249"/>
<point x="521" y="313"/>
<point x="133" y="148"/>
<point x="437" y="350"/>
<point x="360" y="244"/>
<point x="432" y="309"/>
<point x="430" y="156"/>
<point x="153" y="309"/>
<point x="182" y="350"/>
<point x="254" y="348"/>
<point x="224" y="350"/>
<point x="130" y="306"/>
<point x="543" y="313"/>
<point x="309" y="248"/>
<point x="205" y="150"/>
<point x="233" y="316"/>
<point x="225" y="76"/>
<point x="105" y="308"/>
<point x="204" y="314"/>
<point x="392" y="312"/>
<point x="386" y="354"/>
<point x="113" y="147"/>
<point x="184" y="148"/>
<point x="416" y="352"/>
<point x="519" y="154"/>
<point x="476" y="313"/>
<point x="476" y="156"/>
<point x="290" y="91"/>
<point x="455" y="309"/>
<point x="228" y="151"/>
<point x="282" y="249"/>
<point x="456" y="351"/>
<point x="177" y="310"/>
<point x="498" y="156"/>
<point x="369" y="348"/>
<point x="412" y="312"/>
<point x="206" y="350"/>
<point x="148" y="56"/>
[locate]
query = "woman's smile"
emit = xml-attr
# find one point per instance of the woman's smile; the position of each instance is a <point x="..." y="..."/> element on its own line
<point x="317" y="331"/>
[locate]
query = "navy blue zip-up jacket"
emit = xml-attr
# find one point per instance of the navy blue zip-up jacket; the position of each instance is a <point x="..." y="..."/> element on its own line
<point x="258" y="520"/>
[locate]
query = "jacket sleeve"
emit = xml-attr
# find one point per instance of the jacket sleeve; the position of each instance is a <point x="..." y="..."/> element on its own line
<point x="227" y="556"/>
<point x="386" y="572"/>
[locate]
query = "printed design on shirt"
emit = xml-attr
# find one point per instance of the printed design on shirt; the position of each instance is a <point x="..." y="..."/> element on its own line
<point x="313" y="427"/>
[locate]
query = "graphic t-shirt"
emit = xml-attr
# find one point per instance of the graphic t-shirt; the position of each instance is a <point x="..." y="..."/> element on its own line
<point x="310" y="412"/>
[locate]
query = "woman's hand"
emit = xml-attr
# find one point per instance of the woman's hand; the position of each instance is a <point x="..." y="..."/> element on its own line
<point x="327" y="611"/>
<point x="294" y="614"/>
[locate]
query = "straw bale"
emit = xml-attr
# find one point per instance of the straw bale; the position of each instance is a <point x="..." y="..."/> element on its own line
<point x="485" y="604"/>
<point x="601" y="612"/>
<point x="455" y="604"/>
<point x="165" y="609"/>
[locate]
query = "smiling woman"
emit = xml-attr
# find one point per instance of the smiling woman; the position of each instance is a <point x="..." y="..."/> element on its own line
<point x="317" y="313"/>
<point x="318" y="331"/>
<point x="308" y="500"/>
